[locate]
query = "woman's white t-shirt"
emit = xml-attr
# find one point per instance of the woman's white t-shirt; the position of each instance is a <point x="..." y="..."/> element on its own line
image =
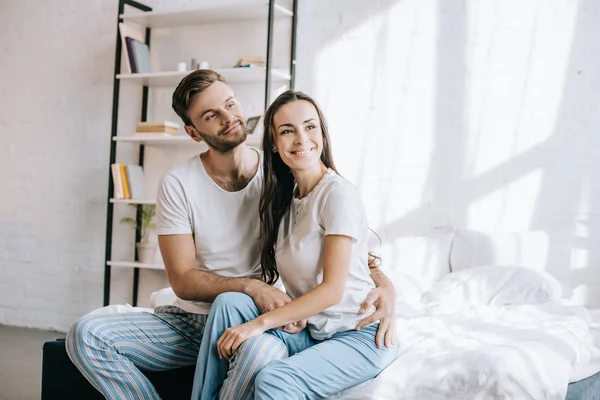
<point x="333" y="207"/>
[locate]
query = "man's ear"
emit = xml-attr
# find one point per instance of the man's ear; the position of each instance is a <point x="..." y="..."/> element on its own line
<point x="193" y="133"/>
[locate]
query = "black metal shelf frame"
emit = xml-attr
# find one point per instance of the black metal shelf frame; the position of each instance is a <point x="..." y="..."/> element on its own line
<point x="115" y="114"/>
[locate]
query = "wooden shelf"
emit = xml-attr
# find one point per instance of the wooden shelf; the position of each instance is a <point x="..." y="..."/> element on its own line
<point x="232" y="75"/>
<point x="206" y="15"/>
<point x="132" y="264"/>
<point x="132" y="201"/>
<point x="156" y="139"/>
<point x="161" y="140"/>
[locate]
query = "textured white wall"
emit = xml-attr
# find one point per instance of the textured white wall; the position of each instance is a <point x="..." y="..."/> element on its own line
<point x="57" y="60"/>
<point x="471" y="114"/>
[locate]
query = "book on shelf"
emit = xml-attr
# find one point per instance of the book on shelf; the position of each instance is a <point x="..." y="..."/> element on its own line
<point x="129" y="51"/>
<point x="128" y="182"/>
<point x="117" y="185"/>
<point x="250" y="61"/>
<point x="127" y="31"/>
<point x="141" y="55"/>
<point x="157" y="128"/>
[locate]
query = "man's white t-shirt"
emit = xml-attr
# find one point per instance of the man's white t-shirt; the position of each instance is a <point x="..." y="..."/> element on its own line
<point x="333" y="207"/>
<point x="225" y="225"/>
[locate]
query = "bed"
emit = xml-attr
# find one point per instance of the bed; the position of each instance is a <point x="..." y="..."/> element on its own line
<point x="485" y="320"/>
<point x="481" y="321"/>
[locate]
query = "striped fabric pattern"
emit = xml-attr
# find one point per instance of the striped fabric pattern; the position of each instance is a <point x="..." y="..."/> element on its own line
<point x="111" y="350"/>
<point x="252" y="356"/>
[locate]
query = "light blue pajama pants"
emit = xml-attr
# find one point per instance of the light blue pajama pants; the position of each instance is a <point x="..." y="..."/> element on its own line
<point x="314" y="369"/>
<point x="111" y="350"/>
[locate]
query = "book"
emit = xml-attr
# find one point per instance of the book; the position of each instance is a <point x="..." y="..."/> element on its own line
<point x="166" y="132"/>
<point x="250" y="61"/>
<point x="157" y="127"/>
<point x="135" y="179"/>
<point x="125" y="184"/>
<point x="117" y="185"/>
<point x="129" y="49"/>
<point x="129" y="31"/>
<point x="141" y="56"/>
<point x="159" y="123"/>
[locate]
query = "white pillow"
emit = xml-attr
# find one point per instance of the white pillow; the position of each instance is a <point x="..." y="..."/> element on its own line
<point x="495" y="285"/>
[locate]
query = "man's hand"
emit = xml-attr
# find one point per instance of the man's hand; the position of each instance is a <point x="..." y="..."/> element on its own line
<point x="383" y="298"/>
<point x="266" y="297"/>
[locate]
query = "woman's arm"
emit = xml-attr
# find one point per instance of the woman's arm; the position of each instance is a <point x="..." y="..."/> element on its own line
<point x="336" y="262"/>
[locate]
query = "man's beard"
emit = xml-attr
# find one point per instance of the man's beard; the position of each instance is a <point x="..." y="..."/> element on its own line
<point x="223" y="144"/>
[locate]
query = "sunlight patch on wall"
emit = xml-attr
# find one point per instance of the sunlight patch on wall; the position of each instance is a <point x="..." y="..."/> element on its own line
<point x="381" y="113"/>
<point x="518" y="54"/>
<point x="509" y="208"/>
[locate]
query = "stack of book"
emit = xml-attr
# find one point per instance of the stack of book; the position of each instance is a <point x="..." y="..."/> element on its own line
<point x="157" y="128"/>
<point x="250" y="61"/>
<point x="128" y="181"/>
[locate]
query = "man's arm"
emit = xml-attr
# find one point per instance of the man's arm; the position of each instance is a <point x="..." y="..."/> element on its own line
<point x="383" y="297"/>
<point x="380" y="280"/>
<point x="190" y="283"/>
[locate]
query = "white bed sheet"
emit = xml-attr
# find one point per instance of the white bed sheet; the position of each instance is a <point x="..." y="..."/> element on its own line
<point x="467" y="352"/>
<point x="592" y="366"/>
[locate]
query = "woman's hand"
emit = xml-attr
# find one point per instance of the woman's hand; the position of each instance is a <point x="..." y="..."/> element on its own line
<point x="233" y="338"/>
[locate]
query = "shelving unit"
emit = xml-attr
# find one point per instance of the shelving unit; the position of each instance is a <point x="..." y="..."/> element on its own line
<point x="240" y="11"/>
<point x="232" y="75"/>
<point x="130" y="264"/>
<point x="170" y="140"/>
<point x="132" y="201"/>
<point x="266" y="11"/>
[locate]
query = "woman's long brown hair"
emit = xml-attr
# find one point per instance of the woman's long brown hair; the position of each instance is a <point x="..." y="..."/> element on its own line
<point x="278" y="186"/>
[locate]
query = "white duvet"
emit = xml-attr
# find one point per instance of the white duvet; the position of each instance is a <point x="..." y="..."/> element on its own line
<point x="485" y="352"/>
<point x="474" y="351"/>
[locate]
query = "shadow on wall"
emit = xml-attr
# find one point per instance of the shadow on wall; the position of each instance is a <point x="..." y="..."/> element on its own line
<point x="567" y="204"/>
<point x="571" y="183"/>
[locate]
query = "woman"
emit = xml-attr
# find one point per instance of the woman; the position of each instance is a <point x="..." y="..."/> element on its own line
<point x="313" y="236"/>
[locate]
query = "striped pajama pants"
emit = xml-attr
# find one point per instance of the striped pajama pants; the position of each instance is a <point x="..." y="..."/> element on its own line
<point x="112" y="350"/>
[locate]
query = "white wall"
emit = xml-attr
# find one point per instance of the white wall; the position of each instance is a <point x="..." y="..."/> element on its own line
<point x="472" y="114"/>
<point x="467" y="113"/>
<point x="57" y="60"/>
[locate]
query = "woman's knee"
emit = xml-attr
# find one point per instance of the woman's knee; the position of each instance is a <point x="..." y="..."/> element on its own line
<point x="267" y="379"/>
<point x="278" y="378"/>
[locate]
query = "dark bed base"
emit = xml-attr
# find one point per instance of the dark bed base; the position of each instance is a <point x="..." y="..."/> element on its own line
<point x="62" y="381"/>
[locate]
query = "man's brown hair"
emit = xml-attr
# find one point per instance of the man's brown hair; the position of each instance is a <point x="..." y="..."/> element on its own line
<point x="195" y="82"/>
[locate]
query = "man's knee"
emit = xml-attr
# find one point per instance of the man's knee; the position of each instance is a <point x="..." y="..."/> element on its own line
<point x="81" y="335"/>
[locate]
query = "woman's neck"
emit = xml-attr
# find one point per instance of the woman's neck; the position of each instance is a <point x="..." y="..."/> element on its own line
<point x="307" y="179"/>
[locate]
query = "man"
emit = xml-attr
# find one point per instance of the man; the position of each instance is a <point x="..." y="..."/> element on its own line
<point x="208" y="227"/>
